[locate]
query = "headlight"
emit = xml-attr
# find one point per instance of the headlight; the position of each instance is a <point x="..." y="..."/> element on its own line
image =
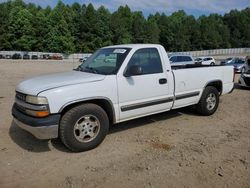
<point x="36" y="100"/>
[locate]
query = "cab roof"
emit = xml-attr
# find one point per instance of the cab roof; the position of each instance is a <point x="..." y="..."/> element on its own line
<point x="135" y="46"/>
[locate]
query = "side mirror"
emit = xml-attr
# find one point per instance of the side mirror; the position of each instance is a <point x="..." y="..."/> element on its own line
<point x="133" y="71"/>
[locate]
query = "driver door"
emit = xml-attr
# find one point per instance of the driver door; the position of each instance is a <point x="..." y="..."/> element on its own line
<point x="148" y="91"/>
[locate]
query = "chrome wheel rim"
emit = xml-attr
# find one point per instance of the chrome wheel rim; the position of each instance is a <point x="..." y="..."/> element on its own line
<point x="211" y="101"/>
<point x="86" y="128"/>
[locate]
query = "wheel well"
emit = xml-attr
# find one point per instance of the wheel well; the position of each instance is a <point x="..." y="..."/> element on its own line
<point x="103" y="103"/>
<point x="217" y="85"/>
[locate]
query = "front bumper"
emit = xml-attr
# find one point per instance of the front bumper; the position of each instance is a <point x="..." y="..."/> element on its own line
<point x="41" y="128"/>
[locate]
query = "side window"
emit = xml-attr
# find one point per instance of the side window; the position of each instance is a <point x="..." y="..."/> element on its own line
<point x="186" y="58"/>
<point x="179" y="59"/>
<point x="148" y="59"/>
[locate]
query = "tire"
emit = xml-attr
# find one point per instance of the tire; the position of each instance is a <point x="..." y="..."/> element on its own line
<point x="209" y="101"/>
<point x="212" y="64"/>
<point x="84" y="127"/>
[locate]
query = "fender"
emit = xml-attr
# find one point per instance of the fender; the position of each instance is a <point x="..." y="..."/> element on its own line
<point x="215" y="81"/>
<point x="90" y="99"/>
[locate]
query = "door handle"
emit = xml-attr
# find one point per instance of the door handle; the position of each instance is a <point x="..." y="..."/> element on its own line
<point x="163" y="81"/>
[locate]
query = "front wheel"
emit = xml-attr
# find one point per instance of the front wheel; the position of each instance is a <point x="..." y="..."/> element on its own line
<point x="84" y="127"/>
<point x="209" y="101"/>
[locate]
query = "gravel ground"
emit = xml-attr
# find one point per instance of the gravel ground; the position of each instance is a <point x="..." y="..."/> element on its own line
<point x="173" y="149"/>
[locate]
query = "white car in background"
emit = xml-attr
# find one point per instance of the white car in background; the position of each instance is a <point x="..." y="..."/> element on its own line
<point x="205" y="60"/>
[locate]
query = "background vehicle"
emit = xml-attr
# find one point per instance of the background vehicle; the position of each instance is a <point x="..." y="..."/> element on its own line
<point x="181" y="60"/>
<point x="115" y="84"/>
<point x="245" y="74"/>
<point x="16" y="56"/>
<point x="26" y="56"/>
<point x="7" y="56"/>
<point x="57" y="57"/>
<point x="82" y="60"/>
<point x="44" y="56"/>
<point x="34" y="57"/>
<point x="238" y="64"/>
<point x="228" y="60"/>
<point x="205" y="60"/>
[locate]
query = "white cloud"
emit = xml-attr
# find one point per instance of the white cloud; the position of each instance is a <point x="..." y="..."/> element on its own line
<point x="212" y="6"/>
<point x="167" y="6"/>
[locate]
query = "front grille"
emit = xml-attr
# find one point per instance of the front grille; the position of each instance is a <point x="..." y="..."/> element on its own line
<point x="21" y="96"/>
<point x="20" y="108"/>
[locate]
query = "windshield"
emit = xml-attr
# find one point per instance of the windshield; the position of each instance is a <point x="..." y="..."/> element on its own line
<point x="237" y="61"/>
<point x="105" y="61"/>
<point x="173" y="59"/>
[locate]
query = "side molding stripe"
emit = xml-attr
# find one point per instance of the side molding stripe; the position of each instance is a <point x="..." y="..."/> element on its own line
<point x="145" y="104"/>
<point x="183" y="96"/>
<point x="155" y="102"/>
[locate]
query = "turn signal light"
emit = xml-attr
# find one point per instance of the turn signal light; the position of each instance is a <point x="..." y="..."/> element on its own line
<point x="42" y="113"/>
<point x="37" y="113"/>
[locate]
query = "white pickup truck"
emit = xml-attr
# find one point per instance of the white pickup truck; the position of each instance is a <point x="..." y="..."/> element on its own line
<point x="116" y="84"/>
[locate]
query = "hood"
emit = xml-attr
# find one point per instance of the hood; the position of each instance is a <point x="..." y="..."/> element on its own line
<point x="35" y="85"/>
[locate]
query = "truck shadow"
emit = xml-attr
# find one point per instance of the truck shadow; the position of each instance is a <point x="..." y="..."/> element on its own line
<point x="28" y="142"/>
<point x="143" y="121"/>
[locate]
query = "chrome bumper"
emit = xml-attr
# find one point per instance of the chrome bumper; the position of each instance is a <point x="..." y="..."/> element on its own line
<point x="43" y="132"/>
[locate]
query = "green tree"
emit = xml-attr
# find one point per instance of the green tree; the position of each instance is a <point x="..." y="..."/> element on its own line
<point x="88" y="29"/>
<point x="81" y="28"/>
<point x="121" y="25"/>
<point x="238" y="23"/>
<point x="152" y="32"/>
<point x="103" y="27"/>
<point x="59" y="38"/>
<point x="214" y="33"/>
<point x="138" y="27"/>
<point x="4" y="23"/>
<point x="20" y="30"/>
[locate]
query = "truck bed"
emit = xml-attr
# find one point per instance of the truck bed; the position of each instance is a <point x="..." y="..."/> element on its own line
<point x="190" y="80"/>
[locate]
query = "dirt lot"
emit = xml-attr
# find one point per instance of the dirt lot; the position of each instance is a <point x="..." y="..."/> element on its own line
<point x="173" y="149"/>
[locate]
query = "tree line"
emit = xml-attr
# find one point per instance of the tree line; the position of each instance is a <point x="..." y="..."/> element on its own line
<point x="82" y="28"/>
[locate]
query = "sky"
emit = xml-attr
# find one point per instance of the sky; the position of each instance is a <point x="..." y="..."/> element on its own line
<point x="193" y="7"/>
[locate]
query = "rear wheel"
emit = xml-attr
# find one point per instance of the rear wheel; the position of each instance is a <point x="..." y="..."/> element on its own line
<point x="212" y="63"/>
<point x="84" y="127"/>
<point x="209" y="101"/>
